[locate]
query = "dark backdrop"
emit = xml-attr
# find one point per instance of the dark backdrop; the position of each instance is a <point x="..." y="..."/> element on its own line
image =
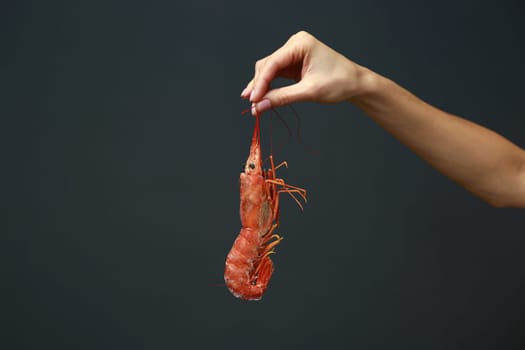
<point x="122" y="142"/>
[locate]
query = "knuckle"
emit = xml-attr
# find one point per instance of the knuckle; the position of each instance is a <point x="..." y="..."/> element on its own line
<point x="271" y="66"/>
<point x="265" y="78"/>
<point x="259" y="64"/>
<point x="303" y="36"/>
<point x="283" y="99"/>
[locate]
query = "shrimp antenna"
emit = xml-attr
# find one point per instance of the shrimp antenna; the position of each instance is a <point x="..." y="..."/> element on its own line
<point x="310" y="150"/>
<point x="288" y="129"/>
<point x="290" y="133"/>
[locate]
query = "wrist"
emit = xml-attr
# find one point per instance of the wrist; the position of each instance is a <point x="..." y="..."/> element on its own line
<point x="368" y="83"/>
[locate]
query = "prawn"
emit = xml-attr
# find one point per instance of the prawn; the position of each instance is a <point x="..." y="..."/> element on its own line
<point x="248" y="266"/>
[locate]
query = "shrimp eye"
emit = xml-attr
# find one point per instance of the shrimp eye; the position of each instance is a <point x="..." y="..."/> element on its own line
<point x="251" y="165"/>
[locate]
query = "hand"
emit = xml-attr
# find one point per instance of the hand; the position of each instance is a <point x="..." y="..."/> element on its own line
<point x="321" y="75"/>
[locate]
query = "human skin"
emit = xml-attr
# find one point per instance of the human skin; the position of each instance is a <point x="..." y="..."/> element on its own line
<point x="480" y="160"/>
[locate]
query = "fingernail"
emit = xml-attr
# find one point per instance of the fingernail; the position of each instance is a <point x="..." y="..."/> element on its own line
<point x="264" y="105"/>
<point x="254" y="111"/>
<point x="244" y="92"/>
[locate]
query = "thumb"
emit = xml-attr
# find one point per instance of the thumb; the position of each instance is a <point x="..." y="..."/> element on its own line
<point x="284" y="96"/>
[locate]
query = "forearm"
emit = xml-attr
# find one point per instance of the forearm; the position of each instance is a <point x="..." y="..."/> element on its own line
<point x="483" y="162"/>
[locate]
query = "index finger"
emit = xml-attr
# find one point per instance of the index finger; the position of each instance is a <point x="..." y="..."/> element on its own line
<point x="269" y="67"/>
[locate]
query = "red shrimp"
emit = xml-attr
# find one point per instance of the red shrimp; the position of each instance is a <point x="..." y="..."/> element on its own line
<point x="248" y="266"/>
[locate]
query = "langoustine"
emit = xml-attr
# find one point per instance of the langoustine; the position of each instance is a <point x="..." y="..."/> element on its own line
<point x="248" y="265"/>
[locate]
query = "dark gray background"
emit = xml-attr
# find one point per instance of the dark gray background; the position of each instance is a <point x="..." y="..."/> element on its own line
<point x="122" y="142"/>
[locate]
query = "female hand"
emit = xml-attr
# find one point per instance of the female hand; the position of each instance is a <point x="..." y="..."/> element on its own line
<point x="321" y="75"/>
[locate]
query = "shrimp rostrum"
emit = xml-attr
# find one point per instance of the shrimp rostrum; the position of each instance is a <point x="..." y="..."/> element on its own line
<point x="248" y="265"/>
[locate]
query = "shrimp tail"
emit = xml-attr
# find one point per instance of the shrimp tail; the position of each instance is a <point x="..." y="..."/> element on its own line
<point x="247" y="272"/>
